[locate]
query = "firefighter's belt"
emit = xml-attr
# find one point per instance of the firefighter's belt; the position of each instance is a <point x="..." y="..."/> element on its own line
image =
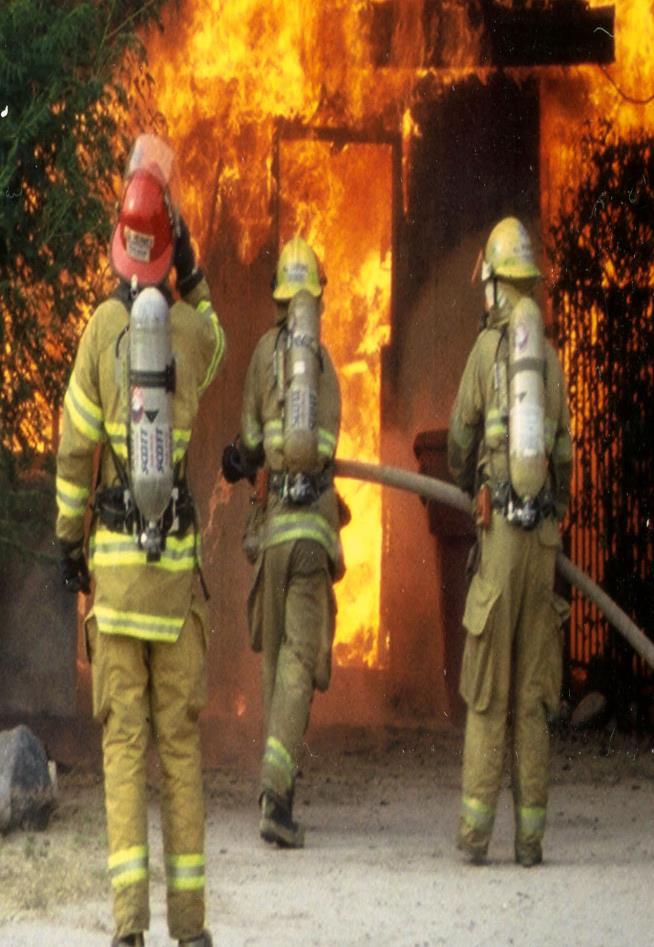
<point x="526" y="514"/>
<point x="114" y="508"/>
<point x="300" y="489"/>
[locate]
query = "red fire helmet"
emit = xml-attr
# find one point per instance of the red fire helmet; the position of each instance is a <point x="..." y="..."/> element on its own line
<point x="143" y="240"/>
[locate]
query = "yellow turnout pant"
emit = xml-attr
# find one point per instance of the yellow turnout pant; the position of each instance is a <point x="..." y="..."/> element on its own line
<point x="511" y="664"/>
<point x="139" y="686"/>
<point x="294" y="602"/>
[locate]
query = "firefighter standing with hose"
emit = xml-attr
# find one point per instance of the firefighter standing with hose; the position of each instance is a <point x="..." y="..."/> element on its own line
<point x="289" y="428"/>
<point x="509" y="446"/>
<point x="142" y="364"/>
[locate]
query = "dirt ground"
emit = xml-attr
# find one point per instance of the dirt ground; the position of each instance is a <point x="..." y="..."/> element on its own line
<point x="380" y="867"/>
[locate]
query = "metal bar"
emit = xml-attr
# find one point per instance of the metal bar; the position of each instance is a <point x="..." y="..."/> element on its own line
<point x="450" y="495"/>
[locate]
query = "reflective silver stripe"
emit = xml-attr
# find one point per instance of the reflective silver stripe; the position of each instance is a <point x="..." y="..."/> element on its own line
<point x="219" y="348"/>
<point x="108" y="549"/>
<point x="289" y="526"/>
<point x="85" y="415"/>
<point x="128" y="866"/>
<point x="71" y="498"/>
<point x="137" y="624"/>
<point x="185" y="872"/>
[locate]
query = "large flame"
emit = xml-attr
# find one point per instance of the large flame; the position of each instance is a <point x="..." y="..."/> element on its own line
<point x="226" y="71"/>
<point x="330" y="196"/>
<point x="620" y="94"/>
<point x="230" y="73"/>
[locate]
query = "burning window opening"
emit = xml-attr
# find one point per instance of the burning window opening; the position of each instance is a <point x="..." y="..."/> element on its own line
<point x="337" y="193"/>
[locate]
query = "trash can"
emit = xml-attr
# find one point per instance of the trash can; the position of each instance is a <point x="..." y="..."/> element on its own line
<point x="454" y="534"/>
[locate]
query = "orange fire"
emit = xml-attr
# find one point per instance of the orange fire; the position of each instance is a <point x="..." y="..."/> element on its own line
<point x="617" y="93"/>
<point x="230" y="73"/>
<point x="344" y="212"/>
<point x="227" y="72"/>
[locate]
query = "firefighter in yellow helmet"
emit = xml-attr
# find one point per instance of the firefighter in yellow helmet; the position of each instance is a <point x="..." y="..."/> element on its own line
<point x="293" y="536"/>
<point x="509" y="446"/>
<point x="147" y="630"/>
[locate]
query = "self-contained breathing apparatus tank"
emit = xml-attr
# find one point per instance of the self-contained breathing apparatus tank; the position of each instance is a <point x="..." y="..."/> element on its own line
<point x="527" y="456"/>
<point x="301" y="376"/>
<point x="151" y="384"/>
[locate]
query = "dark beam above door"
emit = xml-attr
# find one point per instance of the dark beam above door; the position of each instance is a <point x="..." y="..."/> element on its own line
<point x="494" y="34"/>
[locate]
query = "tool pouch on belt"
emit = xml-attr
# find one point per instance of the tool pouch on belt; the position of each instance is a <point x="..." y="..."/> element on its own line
<point x="478" y="664"/>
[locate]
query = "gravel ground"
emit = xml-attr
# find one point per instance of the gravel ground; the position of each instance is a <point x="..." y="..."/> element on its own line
<point x="380" y="867"/>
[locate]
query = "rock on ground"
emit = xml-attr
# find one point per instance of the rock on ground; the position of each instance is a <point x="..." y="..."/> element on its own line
<point x="380" y="867"/>
<point x="26" y="791"/>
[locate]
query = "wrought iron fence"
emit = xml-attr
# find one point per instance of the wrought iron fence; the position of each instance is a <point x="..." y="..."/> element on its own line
<point x="603" y="304"/>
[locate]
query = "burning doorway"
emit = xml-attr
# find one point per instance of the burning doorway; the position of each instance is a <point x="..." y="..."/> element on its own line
<point x="337" y="191"/>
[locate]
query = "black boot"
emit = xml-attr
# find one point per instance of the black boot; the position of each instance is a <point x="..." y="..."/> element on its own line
<point x="276" y="824"/>
<point x="128" y="940"/>
<point x="202" y="940"/>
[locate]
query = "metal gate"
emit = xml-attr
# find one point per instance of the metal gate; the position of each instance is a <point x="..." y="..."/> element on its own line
<point x="604" y="317"/>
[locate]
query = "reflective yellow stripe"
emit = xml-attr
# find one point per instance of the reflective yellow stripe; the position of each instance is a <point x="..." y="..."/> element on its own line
<point x="219" y="348"/>
<point x="185" y="872"/>
<point x="477" y="814"/>
<point x="117" y="431"/>
<point x="496" y="424"/>
<point x="115" y="621"/>
<point x="128" y="866"/>
<point x="531" y="820"/>
<point x="85" y="415"/>
<point x="273" y="435"/>
<point x="290" y="526"/>
<point x="252" y="435"/>
<point x="277" y="755"/>
<point x="109" y="549"/>
<point x="326" y="443"/>
<point x="181" y="440"/>
<point x="71" y="498"/>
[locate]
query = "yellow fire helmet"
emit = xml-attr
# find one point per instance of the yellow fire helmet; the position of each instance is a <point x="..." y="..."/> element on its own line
<point x="297" y="269"/>
<point x="509" y="254"/>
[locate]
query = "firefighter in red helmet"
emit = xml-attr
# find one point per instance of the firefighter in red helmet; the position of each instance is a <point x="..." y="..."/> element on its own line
<point x="143" y="241"/>
<point x="147" y="630"/>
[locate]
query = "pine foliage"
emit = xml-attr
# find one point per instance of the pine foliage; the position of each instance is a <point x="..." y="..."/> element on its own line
<point x="74" y="88"/>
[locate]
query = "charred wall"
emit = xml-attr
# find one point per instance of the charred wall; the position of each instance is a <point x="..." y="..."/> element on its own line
<point x="476" y="160"/>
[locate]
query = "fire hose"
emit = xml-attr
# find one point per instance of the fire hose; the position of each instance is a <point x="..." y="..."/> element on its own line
<point x="449" y="495"/>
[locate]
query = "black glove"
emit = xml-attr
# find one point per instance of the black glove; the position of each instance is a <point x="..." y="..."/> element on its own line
<point x="188" y="272"/>
<point x="233" y="466"/>
<point x="74" y="571"/>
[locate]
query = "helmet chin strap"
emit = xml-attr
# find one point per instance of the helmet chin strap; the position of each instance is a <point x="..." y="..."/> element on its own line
<point x="497" y="298"/>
